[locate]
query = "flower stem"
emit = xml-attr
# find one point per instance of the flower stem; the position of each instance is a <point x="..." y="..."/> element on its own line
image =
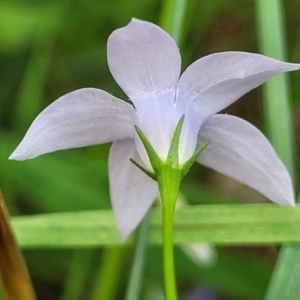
<point x="169" y="181"/>
<point x="168" y="255"/>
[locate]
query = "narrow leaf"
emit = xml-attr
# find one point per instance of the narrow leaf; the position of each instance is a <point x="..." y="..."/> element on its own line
<point x="220" y="224"/>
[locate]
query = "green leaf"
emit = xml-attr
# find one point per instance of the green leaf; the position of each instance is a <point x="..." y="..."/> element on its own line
<point x="286" y="268"/>
<point x="221" y="224"/>
<point x="284" y="282"/>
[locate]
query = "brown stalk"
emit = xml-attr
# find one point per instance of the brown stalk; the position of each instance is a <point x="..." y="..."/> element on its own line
<point x="15" y="279"/>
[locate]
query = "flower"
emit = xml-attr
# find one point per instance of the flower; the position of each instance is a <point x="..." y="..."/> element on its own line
<point x="145" y="62"/>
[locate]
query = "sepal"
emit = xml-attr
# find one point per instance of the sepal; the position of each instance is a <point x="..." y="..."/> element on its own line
<point x="150" y="174"/>
<point x="173" y="157"/>
<point x="187" y="165"/>
<point x="153" y="156"/>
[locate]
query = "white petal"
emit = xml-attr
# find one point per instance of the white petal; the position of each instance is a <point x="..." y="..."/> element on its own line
<point x="239" y="150"/>
<point x="157" y="118"/>
<point x="143" y="59"/>
<point x="216" y="81"/>
<point x="81" y="118"/>
<point x="132" y="191"/>
<point x="188" y="136"/>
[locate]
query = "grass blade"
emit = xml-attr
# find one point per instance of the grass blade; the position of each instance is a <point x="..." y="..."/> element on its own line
<point x="221" y="224"/>
<point x="277" y="95"/>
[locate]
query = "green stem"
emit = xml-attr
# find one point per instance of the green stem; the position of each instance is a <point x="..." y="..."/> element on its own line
<point x="171" y="20"/>
<point x="109" y="273"/>
<point x="169" y="182"/>
<point x="168" y="255"/>
<point x="172" y="17"/>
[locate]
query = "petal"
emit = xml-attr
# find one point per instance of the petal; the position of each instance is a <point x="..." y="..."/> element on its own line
<point x="188" y="137"/>
<point x="81" y="118"/>
<point x="143" y="59"/>
<point x="132" y="191"/>
<point x="157" y="119"/>
<point x="216" y="81"/>
<point x="239" y="150"/>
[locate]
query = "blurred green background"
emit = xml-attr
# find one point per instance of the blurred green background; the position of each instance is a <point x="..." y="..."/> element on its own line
<point x="49" y="48"/>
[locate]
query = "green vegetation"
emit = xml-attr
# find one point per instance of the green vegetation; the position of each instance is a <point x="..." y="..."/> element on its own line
<point x="60" y="202"/>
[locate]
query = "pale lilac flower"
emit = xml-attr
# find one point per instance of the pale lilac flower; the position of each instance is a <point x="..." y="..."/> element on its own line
<point x="145" y="62"/>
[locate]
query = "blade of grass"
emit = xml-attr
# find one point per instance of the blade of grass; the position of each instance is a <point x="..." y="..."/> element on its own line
<point x="276" y="91"/>
<point x="109" y="273"/>
<point x="78" y="275"/>
<point x="277" y="95"/>
<point x="135" y="279"/>
<point x="172" y="18"/>
<point x="222" y="224"/>
<point x="285" y="278"/>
